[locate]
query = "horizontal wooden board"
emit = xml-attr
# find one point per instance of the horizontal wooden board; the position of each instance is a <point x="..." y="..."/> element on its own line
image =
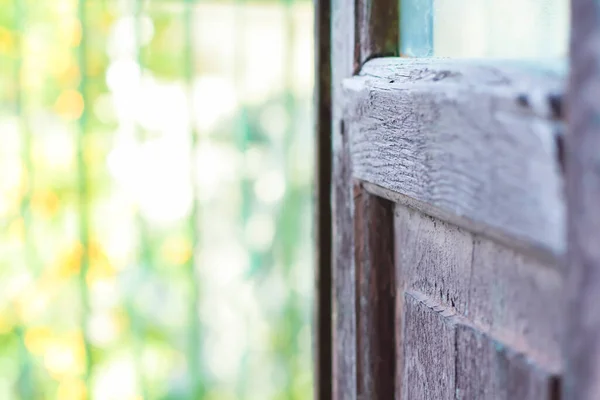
<point x="474" y="141"/>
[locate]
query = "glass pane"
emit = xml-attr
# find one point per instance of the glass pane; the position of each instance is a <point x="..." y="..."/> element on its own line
<point x="484" y="28"/>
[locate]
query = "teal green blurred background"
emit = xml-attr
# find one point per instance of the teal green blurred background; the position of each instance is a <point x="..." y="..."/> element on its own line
<point x="156" y="166"/>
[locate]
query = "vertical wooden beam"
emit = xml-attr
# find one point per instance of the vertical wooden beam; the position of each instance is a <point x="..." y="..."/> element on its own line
<point x="582" y="339"/>
<point x="376" y="35"/>
<point x="323" y="333"/>
<point x="343" y="65"/>
<point x="375" y="295"/>
<point x="377" y="29"/>
<point x="360" y="30"/>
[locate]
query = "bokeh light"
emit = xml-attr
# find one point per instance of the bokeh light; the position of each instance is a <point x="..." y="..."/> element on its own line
<point x="155" y="199"/>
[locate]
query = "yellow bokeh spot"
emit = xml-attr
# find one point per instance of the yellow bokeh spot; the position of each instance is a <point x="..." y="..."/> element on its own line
<point x="69" y="105"/>
<point x="65" y="355"/>
<point x="37" y="339"/>
<point x="100" y="267"/>
<point x="176" y="250"/>
<point x="59" y="61"/>
<point x="69" y="259"/>
<point x="71" y="389"/>
<point x="6" y="41"/>
<point x="45" y="203"/>
<point x="16" y="230"/>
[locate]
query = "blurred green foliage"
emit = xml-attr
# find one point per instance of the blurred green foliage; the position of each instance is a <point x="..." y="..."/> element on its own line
<point x="155" y="199"/>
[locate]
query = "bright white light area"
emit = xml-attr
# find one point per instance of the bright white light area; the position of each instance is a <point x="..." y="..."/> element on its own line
<point x="213" y="98"/>
<point x="126" y="33"/>
<point x="156" y="175"/>
<point x="116" y="379"/>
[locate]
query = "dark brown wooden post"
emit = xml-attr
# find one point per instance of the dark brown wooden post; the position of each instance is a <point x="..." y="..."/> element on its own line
<point x="375" y="295"/>
<point x="323" y="333"/>
<point x="582" y="340"/>
<point x="377" y="29"/>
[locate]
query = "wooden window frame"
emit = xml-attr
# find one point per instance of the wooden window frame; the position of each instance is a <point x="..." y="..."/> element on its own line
<point x="510" y="117"/>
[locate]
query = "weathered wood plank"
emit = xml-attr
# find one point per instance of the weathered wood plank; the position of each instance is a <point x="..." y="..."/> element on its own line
<point x="343" y="64"/>
<point x="465" y="224"/>
<point x="449" y="358"/>
<point x="582" y="349"/>
<point x="475" y="141"/>
<point x="344" y="308"/>
<point x="488" y="370"/>
<point x="376" y="291"/>
<point x="358" y="34"/>
<point x="399" y="334"/>
<point x="322" y="310"/>
<point x="429" y="349"/>
<point x="518" y="300"/>
<point x="433" y="257"/>
<point x="515" y="298"/>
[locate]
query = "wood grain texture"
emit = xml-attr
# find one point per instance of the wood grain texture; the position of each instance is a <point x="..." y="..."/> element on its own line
<point x="357" y="34"/>
<point x="582" y="349"/>
<point x="475" y="141"/>
<point x="518" y="300"/>
<point x="488" y="370"/>
<point x="514" y="298"/>
<point x="376" y="291"/>
<point x="467" y="225"/>
<point x="344" y="315"/>
<point x="323" y="222"/>
<point x="433" y="258"/>
<point x="344" y="309"/>
<point x="429" y="350"/>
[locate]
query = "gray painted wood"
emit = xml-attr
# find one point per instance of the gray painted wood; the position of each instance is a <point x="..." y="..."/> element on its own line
<point x="488" y="370"/>
<point x="376" y="292"/>
<point x="344" y="308"/>
<point x="582" y="347"/>
<point x="429" y="338"/>
<point x="473" y="140"/>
